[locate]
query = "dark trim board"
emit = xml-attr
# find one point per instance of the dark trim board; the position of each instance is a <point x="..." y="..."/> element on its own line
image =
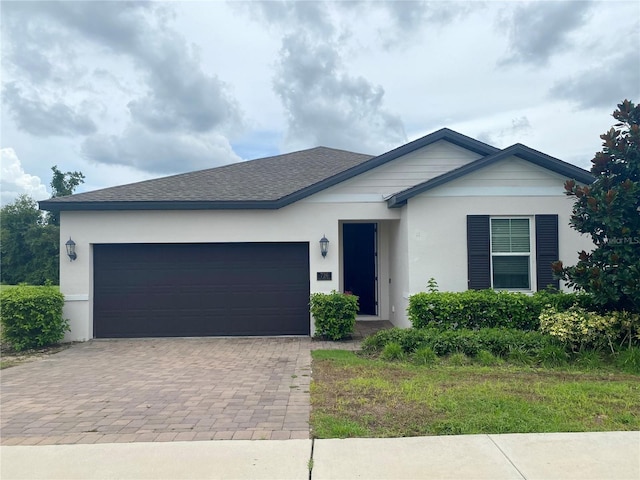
<point x="202" y="289"/>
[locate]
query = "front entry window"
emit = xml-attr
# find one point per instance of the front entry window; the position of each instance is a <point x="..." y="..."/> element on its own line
<point x="511" y="253"/>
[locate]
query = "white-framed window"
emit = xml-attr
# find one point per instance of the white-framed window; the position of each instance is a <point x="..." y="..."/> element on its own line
<point x="511" y="253"/>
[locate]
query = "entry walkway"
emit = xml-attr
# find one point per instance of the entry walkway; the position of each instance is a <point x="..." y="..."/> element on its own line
<point x="583" y="456"/>
<point x="363" y="329"/>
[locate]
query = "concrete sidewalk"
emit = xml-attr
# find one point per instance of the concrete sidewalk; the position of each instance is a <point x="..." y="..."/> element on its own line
<point x="608" y="455"/>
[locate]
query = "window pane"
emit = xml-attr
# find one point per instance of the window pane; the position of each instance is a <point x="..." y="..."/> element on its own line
<point x="500" y="226"/>
<point x="500" y="238"/>
<point x="520" y="244"/>
<point x="511" y="272"/>
<point x="510" y="235"/>
<point x="519" y="226"/>
<point x="520" y="235"/>
<point x="500" y="244"/>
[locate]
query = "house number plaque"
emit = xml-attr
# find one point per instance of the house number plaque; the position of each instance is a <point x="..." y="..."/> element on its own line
<point x="324" y="276"/>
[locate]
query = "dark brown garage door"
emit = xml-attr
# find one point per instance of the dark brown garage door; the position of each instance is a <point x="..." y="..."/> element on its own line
<point x="169" y="290"/>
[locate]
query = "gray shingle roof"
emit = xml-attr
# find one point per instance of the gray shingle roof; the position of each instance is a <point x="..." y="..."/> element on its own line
<point x="251" y="184"/>
<point x="275" y="182"/>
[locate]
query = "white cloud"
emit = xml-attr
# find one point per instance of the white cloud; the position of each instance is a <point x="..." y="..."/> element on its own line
<point x="125" y="91"/>
<point x="539" y="30"/>
<point x="328" y="106"/>
<point x="175" y="115"/>
<point x="147" y="150"/>
<point x="41" y="118"/>
<point x="15" y="181"/>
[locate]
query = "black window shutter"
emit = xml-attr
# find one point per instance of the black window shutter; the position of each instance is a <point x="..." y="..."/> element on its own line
<point x="478" y="254"/>
<point x="546" y="250"/>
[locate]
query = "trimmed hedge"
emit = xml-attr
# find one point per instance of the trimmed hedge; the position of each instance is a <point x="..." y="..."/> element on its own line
<point x="499" y="341"/>
<point x="32" y="316"/>
<point x="476" y="309"/>
<point x="334" y="314"/>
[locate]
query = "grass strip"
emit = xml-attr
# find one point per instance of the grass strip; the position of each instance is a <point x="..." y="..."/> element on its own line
<point x="354" y="396"/>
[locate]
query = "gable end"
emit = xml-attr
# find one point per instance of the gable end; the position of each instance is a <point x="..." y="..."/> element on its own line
<point x="518" y="150"/>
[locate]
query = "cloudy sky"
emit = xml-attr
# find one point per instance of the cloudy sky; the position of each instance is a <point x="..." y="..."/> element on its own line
<point x="126" y="91"/>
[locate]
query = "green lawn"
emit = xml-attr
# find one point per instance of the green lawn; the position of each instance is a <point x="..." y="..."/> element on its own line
<point x="353" y="396"/>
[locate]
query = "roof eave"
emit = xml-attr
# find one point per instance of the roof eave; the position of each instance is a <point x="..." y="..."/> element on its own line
<point x="159" y="205"/>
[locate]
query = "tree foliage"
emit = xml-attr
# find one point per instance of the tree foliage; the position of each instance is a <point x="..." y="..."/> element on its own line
<point x="30" y="239"/>
<point x="609" y="211"/>
<point x="29" y="245"/>
<point x="63" y="184"/>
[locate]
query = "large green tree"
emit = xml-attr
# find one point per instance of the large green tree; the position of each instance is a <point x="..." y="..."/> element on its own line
<point x="28" y="244"/>
<point x="30" y="239"/>
<point x="609" y="211"/>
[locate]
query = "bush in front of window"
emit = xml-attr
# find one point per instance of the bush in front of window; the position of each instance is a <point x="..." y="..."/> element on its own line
<point x="471" y="309"/>
<point x="561" y="301"/>
<point x="334" y="314"/>
<point x="476" y="309"/>
<point x="32" y="317"/>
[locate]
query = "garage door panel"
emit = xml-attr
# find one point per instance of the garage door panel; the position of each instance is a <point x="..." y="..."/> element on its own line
<point x="230" y="302"/>
<point x="201" y="289"/>
<point x="194" y="324"/>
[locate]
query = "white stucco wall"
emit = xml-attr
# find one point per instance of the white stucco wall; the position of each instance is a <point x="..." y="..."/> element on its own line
<point x="398" y="272"/>
<point x="300" y="222"/>
<point x="437" y="236"/>
<point x="437" y="219"/>
<point x="424" y="239"/>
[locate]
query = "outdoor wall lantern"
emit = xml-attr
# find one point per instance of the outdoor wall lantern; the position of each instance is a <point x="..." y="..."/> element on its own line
<point x="71" y="249"/>
<point x="324" y="246"/>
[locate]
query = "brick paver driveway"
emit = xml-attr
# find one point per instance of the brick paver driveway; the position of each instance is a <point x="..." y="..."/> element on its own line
<point x="160" y="390"/>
